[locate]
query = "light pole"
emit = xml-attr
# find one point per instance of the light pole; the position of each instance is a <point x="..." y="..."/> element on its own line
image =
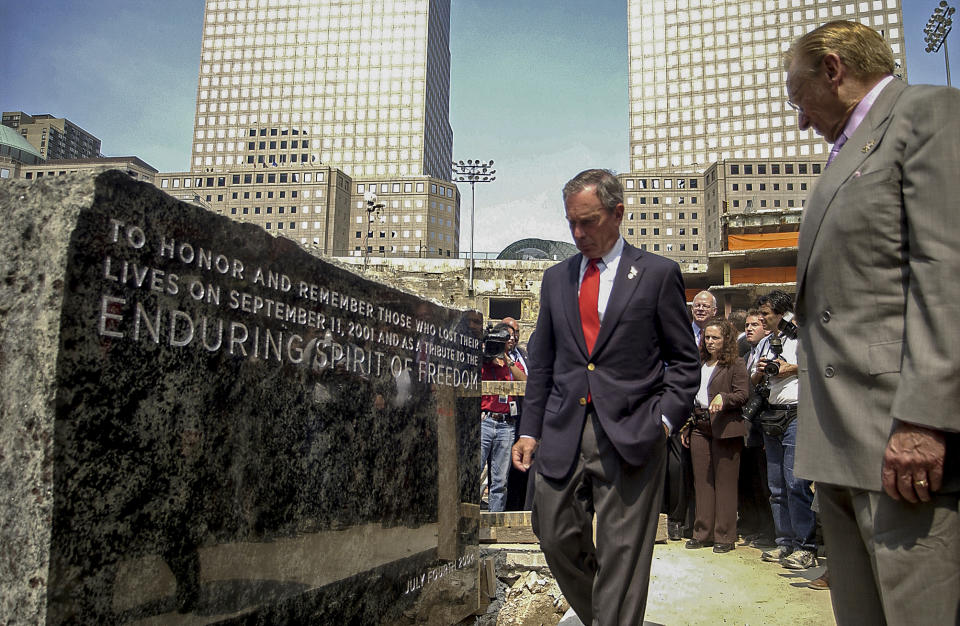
<point x="373" y="210"/>
<point x="935" y="32"/>
<point x="473" y="171"/>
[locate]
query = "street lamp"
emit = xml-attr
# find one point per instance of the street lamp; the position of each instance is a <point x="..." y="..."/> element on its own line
<point x="935" y="32"/>
<point x="373" y="211"/>
<point x="473" y="171"/>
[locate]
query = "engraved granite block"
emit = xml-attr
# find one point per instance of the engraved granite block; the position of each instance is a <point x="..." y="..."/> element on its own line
<point x="199" y="418"/>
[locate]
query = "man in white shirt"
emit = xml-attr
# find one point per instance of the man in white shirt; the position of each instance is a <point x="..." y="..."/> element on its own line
<point x="790" y="496"/>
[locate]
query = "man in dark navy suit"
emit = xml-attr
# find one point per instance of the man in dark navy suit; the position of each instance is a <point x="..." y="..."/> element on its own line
<point x="614" y="369"/>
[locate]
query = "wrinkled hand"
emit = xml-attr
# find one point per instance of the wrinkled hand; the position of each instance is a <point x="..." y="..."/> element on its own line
<point x="716" y="405"/>
<point x="685" y="437"/>
<point x="913" y="463"/>
<point x="522" y="453"/>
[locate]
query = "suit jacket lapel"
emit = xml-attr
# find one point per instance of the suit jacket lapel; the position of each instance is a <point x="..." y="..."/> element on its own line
<point x="629" y="275"/>
<point x="867" y="138"/>
<point x="571" y="300"/>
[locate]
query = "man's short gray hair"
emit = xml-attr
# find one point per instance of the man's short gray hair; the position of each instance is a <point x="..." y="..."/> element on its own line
<point x="609" y="189"/>
<point x="713" y="298"/>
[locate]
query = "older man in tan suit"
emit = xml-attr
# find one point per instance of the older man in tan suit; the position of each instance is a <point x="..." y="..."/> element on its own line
<point x="878" y="305"/>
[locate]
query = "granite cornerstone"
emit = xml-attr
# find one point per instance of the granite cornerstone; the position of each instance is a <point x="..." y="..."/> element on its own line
<point x="202" y="423"/>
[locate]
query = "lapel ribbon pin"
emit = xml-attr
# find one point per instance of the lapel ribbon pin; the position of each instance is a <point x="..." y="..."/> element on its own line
<point x="867" y="148"/>
<point x="632" y="273"/>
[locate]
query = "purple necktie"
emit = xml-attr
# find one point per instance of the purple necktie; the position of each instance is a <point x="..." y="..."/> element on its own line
<point x="842" y="139"/>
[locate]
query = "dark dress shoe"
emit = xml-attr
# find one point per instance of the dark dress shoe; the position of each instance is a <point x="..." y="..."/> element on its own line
<point x="673" y="531"/>
<point x="721" y="548"/>
<point x="693" y="544"/>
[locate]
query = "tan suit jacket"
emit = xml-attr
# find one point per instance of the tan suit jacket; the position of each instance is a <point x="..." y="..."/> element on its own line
<point x="878" y="289"/>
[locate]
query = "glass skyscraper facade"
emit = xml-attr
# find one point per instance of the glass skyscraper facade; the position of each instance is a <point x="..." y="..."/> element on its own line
<point x="361" y="85"/>
<point x="707" y="82"/>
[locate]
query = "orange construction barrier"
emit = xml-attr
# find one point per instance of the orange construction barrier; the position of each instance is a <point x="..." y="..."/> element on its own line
<point x="763" y="275"/>
<point x="762" y="240"/>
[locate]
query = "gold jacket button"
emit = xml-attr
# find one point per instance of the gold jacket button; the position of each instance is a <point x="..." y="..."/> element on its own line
<point x="591" y="366"/>
<point x="583" y="402"/>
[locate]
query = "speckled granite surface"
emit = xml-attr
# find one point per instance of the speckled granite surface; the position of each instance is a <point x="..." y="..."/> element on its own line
<point x="203" y="423"/>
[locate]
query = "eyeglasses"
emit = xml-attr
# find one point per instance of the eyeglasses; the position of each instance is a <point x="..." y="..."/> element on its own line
<point x="795" y="107"/>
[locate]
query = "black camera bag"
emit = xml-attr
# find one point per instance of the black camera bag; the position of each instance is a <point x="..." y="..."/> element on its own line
<point x="775" y="423"/>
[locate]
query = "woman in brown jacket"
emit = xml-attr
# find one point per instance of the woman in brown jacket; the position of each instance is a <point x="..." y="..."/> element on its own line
<point x="716" y="437"/>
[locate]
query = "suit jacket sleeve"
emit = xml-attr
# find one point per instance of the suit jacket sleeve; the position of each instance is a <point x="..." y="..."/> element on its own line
<point x="678" y="350"/>
<point x="929" y="385"/>
<point x="542" y="350"/>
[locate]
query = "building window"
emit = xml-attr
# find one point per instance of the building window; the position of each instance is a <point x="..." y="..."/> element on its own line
<point x="500" y="308"/>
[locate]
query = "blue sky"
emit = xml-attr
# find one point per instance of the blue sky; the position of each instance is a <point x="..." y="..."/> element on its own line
<point x="537" y="86"/>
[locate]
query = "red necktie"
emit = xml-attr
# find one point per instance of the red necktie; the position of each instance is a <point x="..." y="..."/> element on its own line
<point x="589" y="296"/>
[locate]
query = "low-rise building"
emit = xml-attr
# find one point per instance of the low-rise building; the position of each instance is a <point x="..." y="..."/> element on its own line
<point x="54" y="137"/>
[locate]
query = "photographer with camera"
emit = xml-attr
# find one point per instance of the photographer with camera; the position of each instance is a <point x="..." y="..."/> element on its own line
<point x="498" y="413"/>
<point x="756" y="521"/>
<point x="775" y="377"/>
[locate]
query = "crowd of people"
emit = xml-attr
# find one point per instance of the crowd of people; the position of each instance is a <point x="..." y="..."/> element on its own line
<point x="741" y="438"/>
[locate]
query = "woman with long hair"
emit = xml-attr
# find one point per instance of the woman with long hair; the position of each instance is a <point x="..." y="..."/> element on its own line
<point x="715" y="438"/>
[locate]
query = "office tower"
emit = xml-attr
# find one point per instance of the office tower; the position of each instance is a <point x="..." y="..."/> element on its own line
<point x="304" y="106"/>
<point x="362" y="85"/>
<point x="706" y="77"/>
<point x="55" y="137"/>
<point x="712" y="138"/>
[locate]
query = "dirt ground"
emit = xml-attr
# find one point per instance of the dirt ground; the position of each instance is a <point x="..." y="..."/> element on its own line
<point x="694" y="587"/>
<point x="701" y="587"/>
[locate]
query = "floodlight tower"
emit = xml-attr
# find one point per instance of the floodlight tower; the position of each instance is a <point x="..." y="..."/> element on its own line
<point x="935" y="32"/>
<point x="473" y="171"/>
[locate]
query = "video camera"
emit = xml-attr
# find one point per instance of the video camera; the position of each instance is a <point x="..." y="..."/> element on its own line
<point x="495" y="340"/>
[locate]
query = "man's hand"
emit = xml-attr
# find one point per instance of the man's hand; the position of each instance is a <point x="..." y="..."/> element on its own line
<point x="786" y="369"/>
<point x="913" y="462"/>
<point x="523" y="453"/>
